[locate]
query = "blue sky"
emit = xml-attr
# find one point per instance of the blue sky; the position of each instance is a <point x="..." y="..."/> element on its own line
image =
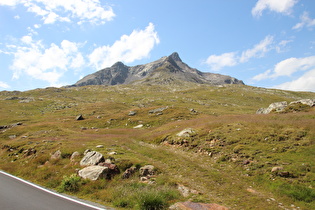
<point x="265" y="43"/>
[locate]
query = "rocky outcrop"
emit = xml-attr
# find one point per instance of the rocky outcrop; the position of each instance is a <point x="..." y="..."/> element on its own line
<point x="282" y="106"/>
<point x="94" y="172"/>
<point x="168" y="69"/>
<point x="278" y="107"/>
<point x="308" y="102"/>
<point x="92" y="158"/>
<point x="196" y="206"/>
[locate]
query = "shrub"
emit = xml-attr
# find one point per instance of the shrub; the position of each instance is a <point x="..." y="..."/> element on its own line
<point x="70" y="184"/>
<point x="152" y="201"/>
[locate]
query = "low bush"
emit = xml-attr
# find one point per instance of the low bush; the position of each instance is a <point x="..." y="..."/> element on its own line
<point x="70" y="183"/>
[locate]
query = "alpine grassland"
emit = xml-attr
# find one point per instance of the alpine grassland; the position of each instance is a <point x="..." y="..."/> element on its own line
<point x="229" y="155"/>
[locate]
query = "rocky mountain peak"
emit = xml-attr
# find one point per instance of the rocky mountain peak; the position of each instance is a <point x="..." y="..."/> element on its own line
<point x="175" y="57"/>
<point x="166" y="70"/>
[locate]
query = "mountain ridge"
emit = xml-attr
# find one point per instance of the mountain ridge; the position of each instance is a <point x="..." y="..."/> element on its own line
<point x="167" y="69"/>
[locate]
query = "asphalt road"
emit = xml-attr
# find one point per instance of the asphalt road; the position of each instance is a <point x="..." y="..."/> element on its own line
<point x="17" y="194"/>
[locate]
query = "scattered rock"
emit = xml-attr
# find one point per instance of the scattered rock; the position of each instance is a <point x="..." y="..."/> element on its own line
<point x="112" y="153"/>
<point x="147" y="170"/>
<point x="94" y="172"/>
<point x="285" y="174"/>
<point x="129" y="172"/>
<point x="10" y="126"/>
<point x="185" y="191"/>
<point x="92" y="158"/>
<point x="112" y="169"/>
<point x="79" y="117"/>
<point x="12" y="136"/>
<point x="158" y="110"/>
<point x="132" y="113"/>
<point x="138" y="126"/>
<point x="86" y="151"/>
<point x="30" y="151"/>
<point x="196" y="206"/>
<point x="56" y="155"/>
<point x="188" y="132"/>
<point x="74" y="155"/>
<point x="277" y="168"/>
<point x="100" y="146"/>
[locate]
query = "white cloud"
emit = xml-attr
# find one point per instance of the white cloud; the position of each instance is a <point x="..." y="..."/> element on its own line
<point x="4" y="85"/>
<point x="216" y="62"/>
<point x="47" y="64"/>
<point x="306" y="21"/>
<point x="280" y="6"/>
<point x="290" y="66"/>
<point x="9" y="2"/>
<point x="258" y="50"/>
<point x="66" y="10"/>
<point x="282" y="46"/>
<point x="262" y="76"/>
<point x="304" y="83"/>
<point x="129" y="48"/>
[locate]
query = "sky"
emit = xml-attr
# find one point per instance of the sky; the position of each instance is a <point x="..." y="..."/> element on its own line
<point x="53" y="43"/>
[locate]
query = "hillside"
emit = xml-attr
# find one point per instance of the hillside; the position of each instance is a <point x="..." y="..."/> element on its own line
<point x="206" y="142"/>
<point x="168" y="69"/>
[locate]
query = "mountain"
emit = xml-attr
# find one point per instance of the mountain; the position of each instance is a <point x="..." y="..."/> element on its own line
<point x="168" y="69"/>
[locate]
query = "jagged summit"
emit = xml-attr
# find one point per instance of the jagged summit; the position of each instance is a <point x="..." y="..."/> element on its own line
<point x="168" y="69"/>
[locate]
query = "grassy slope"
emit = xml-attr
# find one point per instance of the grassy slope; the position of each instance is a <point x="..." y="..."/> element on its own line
<point x="228" y="135"/>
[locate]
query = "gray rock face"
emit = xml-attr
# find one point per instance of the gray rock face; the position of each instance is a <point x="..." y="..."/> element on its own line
<point x="167" y="69"/>
<point x="92" y="158"/>
<point x="93" y="172"/>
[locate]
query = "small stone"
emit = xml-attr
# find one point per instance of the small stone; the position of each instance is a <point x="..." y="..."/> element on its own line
<point x="138" y="126"/>
<point x="132" y="113"/>
<point x="100" y="146"/>
<point x="79" y="117"/>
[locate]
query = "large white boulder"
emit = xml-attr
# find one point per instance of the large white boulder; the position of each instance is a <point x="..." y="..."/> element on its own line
<point x="94" y="172"/>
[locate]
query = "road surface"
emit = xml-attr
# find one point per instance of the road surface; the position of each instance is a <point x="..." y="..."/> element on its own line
<point x="16" y="194"/>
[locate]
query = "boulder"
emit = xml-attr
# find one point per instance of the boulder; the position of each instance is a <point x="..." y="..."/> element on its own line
<point x="92" y="158"/>
<point x="79" y="117"/>
<point x="188" y="132"/>
<point x="132" y="113"/>
<point x="147" y="170"/>
<point x="197" y="206"/>
<point x="277" y="168"/>
<point x="138" y="126"/>
<point x="129" y="172"/>
<point x="56" y="155"/>
<point x="158" y="110"/>
<point x="74" y="155"/>
<point x="112" y="169"/>
<point x="309" y="102"/>
<point x="278" y="107"/>
<point x="94" y="172"/>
